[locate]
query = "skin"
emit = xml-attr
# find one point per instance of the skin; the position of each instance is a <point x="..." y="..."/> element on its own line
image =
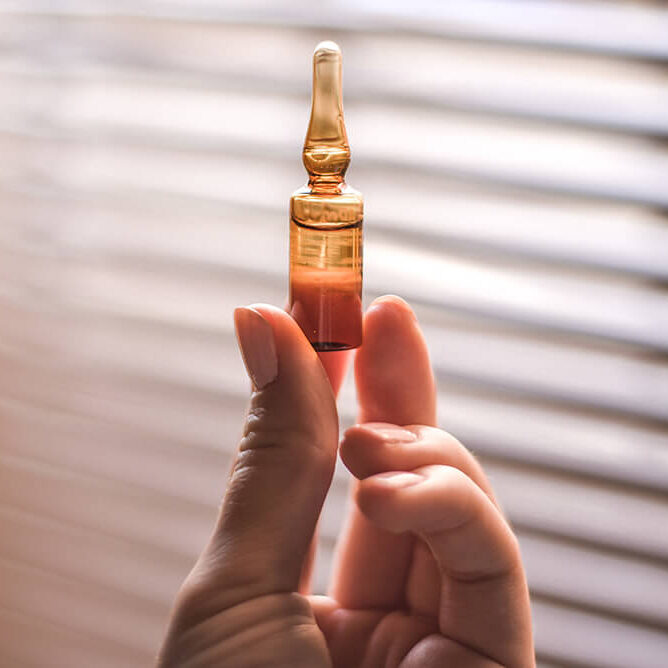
<point x="427" y="572"/>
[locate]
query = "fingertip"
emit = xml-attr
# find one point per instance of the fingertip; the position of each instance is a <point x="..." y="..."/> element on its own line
<point x="277" y="318"/>
<point x="362" y="445"/>
<point x="395" y="381"/>
<point x="302" y="391"/>
<point x="335" y="362"/>
<point x="385" y="432"/>
<point x="268" y="309"/>
<point x="293" y="348"/>
<point x="257" y="344"/>
<point x="365" y="434"/>
<point x="391" y="304"/>
<point x="369" y="499"/>
<point x="389" y="313"/>
<point x="354" y="448"/>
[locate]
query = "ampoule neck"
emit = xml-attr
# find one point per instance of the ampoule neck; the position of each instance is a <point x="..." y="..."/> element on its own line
<point x="322" y="184"/>
<point x="326" y="153"/>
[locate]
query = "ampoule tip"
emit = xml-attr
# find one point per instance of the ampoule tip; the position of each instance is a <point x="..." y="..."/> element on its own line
<point x="326" y="47"/>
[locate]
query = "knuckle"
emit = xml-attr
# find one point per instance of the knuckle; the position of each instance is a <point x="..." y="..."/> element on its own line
<point x="456" y="497"/>
<point x="271" y="440"/>
<point x="266" y="429"/>
<point x="461" y="492"/>
<point x="444" y="439"/>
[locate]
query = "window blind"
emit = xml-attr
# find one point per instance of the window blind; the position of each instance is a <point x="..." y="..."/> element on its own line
<point x="514" y="162"/>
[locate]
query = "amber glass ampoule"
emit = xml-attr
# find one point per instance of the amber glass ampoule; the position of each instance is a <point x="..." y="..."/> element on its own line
<point x="326" y="221"/>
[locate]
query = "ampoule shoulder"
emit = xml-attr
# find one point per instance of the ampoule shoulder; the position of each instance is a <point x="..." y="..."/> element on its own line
<point x="338" y="208"/>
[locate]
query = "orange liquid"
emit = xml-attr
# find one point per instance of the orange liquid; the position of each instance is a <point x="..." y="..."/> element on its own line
<point x="326" y="285"/>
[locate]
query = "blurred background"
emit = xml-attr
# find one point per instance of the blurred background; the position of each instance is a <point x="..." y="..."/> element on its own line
<point x="514" y="161"/>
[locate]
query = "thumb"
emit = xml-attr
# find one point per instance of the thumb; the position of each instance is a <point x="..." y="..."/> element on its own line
<point x="284" y="464"/>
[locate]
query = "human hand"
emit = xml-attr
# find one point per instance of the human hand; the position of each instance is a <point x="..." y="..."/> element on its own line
<point x="427" y="573"/>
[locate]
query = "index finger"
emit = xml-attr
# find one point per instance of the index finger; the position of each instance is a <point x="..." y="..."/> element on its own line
<point x="395" y="384"/>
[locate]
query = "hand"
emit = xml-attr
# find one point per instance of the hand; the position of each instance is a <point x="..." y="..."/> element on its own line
<point x="428" y="572"/>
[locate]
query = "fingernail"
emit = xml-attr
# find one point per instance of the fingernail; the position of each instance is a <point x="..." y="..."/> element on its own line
<point x="391" y="433"/>
<point x="399" y="479"/>
<point x="257" y="345"/>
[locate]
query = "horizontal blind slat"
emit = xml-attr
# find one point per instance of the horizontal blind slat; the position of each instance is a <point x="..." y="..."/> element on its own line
<point x="107" y="615"/>
<point x="536" y="156"/>
<point x="604" y="26"/>
<point x="134" y="569"/>
<point x="59" y="643"/>
<point x="628" y="96"/>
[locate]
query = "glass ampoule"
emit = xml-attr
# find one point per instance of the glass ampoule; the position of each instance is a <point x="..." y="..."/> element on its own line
<point x="326" y="221"/>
